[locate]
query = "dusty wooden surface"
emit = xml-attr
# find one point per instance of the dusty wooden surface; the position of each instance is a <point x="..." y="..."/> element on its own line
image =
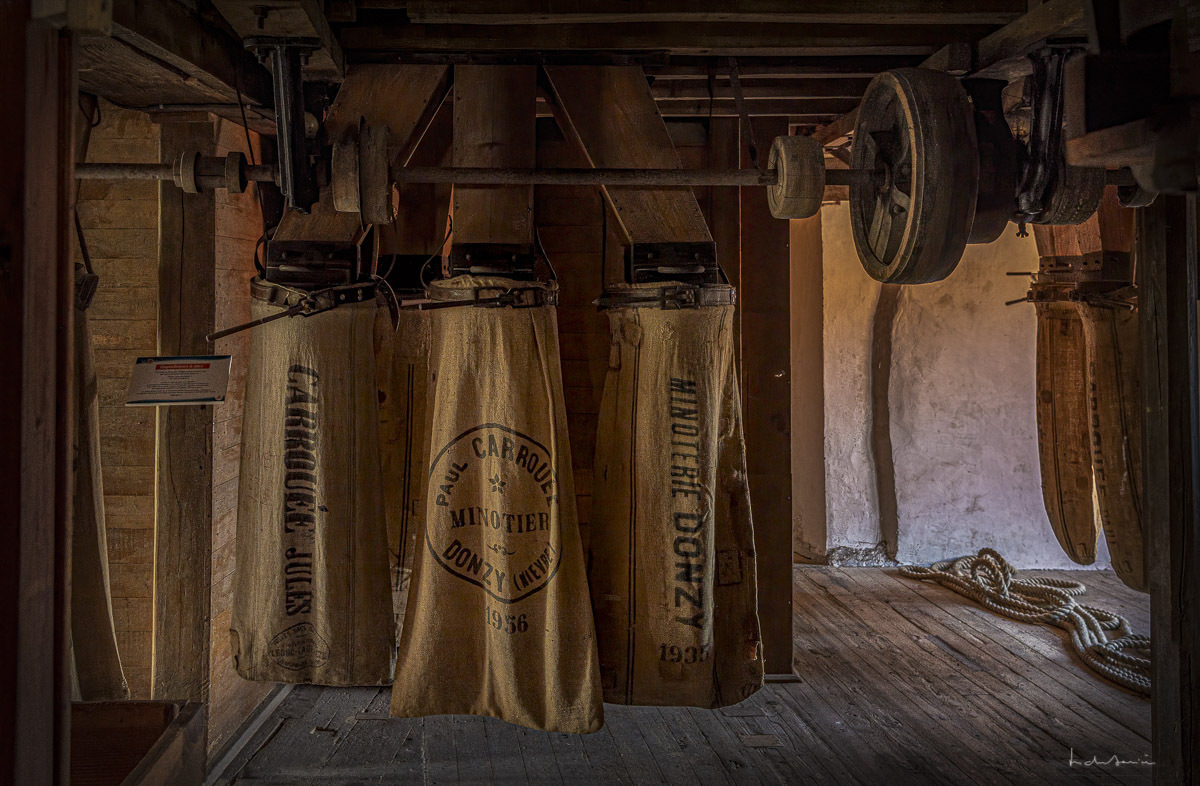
<point x="901" y="683"/>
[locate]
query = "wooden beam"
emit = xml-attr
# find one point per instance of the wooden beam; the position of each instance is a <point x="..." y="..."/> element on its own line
<point x="817" y="109"/>
<point x="758" y="88"/>
<point x="1019" y="38"/>
<point x="161" y="54"/>
<point x="709" y="38"/>
<point x="289" y="19"/>
<point x="1167" y="291"/>
<point x="36" y="312"/>
<point x="814" y="67"/>
<point x="550" y="12"/>
<point x="183" y="453"/>
<point x="494" y="126"/>
<point x="609" y="113"/>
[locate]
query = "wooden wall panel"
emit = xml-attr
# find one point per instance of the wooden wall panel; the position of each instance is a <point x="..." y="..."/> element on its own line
<point x="238" y="227"/>
<point x="571" y="222"/>
<point x="120" y="224"/>
<point x="764" y="298"/>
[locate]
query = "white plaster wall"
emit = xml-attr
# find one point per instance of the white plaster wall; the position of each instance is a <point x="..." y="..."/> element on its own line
<point x="963" y="428"/>
<point x="851" y="504"/>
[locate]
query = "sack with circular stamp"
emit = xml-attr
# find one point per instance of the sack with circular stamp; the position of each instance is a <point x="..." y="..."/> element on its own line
<point x="671" y="553"/>
<point x="498" y="622"/>
<point x="311" y="597"/>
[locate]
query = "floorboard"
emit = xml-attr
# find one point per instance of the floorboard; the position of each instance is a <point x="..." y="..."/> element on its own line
<point x="899" y="682"/>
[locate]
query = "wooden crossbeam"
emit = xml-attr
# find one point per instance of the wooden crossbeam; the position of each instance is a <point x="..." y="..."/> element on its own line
<point x="162" y="54"/>
<point x="494" y="126"/>
<point x="609" y="113"/>
<point x="820" y="109"/>
<point x="755" y="88"/>
<point x="545" y="12"/>
<point x="290" y="19"/>
<point x="709" y="38"/>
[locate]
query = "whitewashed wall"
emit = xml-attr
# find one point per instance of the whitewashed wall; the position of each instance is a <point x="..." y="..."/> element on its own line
<point x="963" y="430"/>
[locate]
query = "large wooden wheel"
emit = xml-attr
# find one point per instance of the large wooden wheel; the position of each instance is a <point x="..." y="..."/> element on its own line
<point x="915" y="137"/>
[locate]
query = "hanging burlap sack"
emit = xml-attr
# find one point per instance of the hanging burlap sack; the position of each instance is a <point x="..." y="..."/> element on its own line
<point x="672" y="565"/>
<point x="311" y="599"/>
<point x="402" y="379"/>
<point x="96" y="664"/>
<point x="498" y="619"/>
<point x="1064" y="441"/>
<point x="1114" y="404"/>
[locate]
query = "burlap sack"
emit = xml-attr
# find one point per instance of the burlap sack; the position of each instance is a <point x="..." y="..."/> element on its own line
<point x="672" y="565"/>
<point x="498" y="619"/>
<point x="311" y="598"/>
<point x="95" y="662"/>
<point x="402" y="379"/>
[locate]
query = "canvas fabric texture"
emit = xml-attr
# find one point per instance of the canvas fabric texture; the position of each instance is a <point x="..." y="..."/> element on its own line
<point x="96" y="673"/>
<point x="672" y="562"/>
<point x="312" y="602"/>
<point x="498" y="622"/>
<point x="402" y="379"/>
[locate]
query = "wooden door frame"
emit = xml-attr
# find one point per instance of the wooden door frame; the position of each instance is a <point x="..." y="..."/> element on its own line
<point x="36" y="313"/>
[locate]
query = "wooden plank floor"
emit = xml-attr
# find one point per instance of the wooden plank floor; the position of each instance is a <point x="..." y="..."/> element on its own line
<point x="901" y="682"/>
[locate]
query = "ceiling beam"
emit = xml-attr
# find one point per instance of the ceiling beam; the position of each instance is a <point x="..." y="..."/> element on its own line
<point x="820" y="108"/>
<point x="818" y="67"/>
<point x="289" y="19"/>
<point x="708" y="38"/>
<point x="546" y="12"/>
<point x="1000" y="54"/>
<point x="672" y="90"/>
<point x="162" y="54"/>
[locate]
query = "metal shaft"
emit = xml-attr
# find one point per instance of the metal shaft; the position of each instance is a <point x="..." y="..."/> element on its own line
<point x="124" y="171"/>
<point x="263" y="173"/>
<point x="504" y="177"/>
<point x="601" y="177"/>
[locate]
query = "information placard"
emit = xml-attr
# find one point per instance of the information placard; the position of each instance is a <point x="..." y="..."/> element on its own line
<point x="196" y="379"/>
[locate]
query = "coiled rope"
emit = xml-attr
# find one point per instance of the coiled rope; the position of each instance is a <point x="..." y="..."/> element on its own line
<point x="988" y="579"/>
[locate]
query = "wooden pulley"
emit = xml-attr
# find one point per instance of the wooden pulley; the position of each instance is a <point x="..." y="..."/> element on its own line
<point x="799" y="163"/>
<point x="996" y="200"/>
<point x="359" y="177"/>
<point x="1064" y="437"/>
<point x="915" y="138"/>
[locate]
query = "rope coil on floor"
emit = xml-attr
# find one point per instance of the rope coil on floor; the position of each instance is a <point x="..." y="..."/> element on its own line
<point x="988" y="579"/>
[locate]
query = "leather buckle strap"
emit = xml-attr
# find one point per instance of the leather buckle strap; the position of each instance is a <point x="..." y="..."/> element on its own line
<point x="668" y="297"/>
<point x="495" y="297"/>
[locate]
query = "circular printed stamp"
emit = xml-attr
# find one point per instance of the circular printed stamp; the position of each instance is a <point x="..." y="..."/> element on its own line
<point x="493" y="512"/>
<point x="298" y="647"/>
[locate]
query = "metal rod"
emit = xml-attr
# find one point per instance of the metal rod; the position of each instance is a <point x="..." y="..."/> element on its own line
<point x="124" y="171"/>
<point x="504" y="177"/>
<point x="263" y="173"/>
<point x="584" y="177"/>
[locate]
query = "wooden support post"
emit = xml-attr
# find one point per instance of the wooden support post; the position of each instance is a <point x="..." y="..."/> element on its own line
<point x="183" y="454"/>
<point x="494" y="126"/>
<point x="765" y="303"/>
<point x="36" y="309"/>
<point x="1167" y="290"/>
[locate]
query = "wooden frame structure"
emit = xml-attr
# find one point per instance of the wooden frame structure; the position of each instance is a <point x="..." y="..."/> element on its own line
<point x="195" y="64"/>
